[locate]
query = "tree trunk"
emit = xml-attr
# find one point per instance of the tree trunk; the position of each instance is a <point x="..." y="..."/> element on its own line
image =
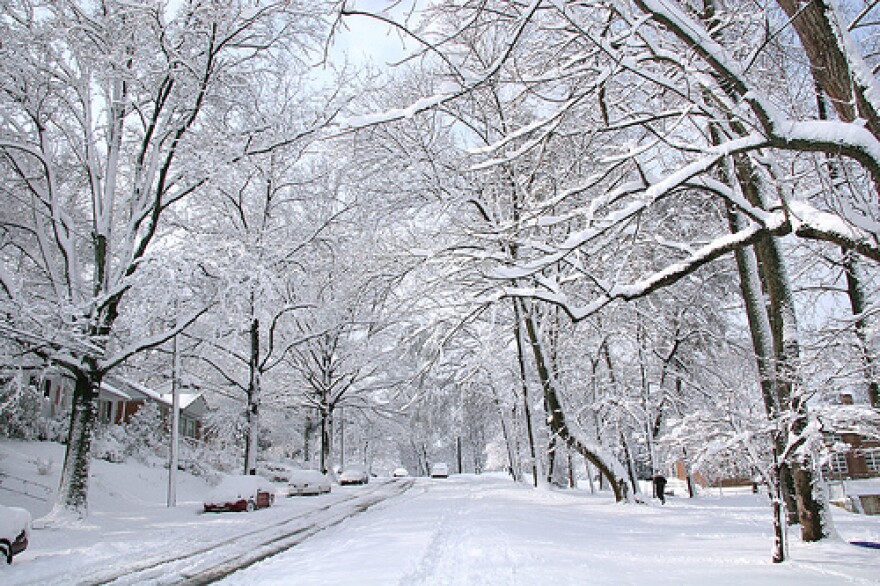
<point x="856" y="294"/>
<point x="326" y="438"/>
<point x="820" y="35"/>
<point x="253" y="406"/>
<point x="854" y="288"/>
<point x="762" y="343"/>
<point x="73" y="488"/>
<point x="792" y="403"/>
<point x="512" y="458"/>
<point x="537" y="472"/>
<point x="556" y="415"/>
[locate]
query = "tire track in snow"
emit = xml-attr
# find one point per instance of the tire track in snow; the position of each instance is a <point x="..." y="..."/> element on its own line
<point x="219" y="559"/>
<point x="451" y="554"/>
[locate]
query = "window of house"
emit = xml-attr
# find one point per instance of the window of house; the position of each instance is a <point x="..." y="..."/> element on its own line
<point x="872" y="460"/>
<point x="188" y="427"/>
<point x="838" y="464"/>
<point x="105" y="411"/>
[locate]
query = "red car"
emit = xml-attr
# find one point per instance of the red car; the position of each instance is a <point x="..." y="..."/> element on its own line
<point x="240" y="493"/>
<point x="15" y="528"/>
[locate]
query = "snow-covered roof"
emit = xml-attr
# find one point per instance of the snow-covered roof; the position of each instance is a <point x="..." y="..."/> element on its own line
<point x="192" y="404"/>
<point x="868" y="486"/>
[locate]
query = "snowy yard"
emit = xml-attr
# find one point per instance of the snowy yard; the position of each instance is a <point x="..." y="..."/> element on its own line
<point x="462" y="530"/>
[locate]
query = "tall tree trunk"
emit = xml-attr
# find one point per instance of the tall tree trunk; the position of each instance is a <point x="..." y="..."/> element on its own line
<point x="856" y="293"/>
<point x="855" y="290"/>
<point x="767" y="325"/>
<point x="253" y="406"/>
<point x="537" y="465"/>
<point x="72" y="495"/>
<point x="762" y="343"/>
<point x="783" y="321"/>
<point x="326" y="437"/>
<point x="512" y="456"/>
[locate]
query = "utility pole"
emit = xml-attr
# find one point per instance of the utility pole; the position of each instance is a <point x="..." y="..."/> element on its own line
<point x="341" y="439"/>
<point x="175" y="423"/>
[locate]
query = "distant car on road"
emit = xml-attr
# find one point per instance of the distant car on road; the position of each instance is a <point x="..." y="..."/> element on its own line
<point x="15" y="529"/>
<point x="307" y="482"/>
<point x="439" y="470"/>
<point x="400" y="472"/>
<point x="240" y="493"/>
<point x="275" y="471"/>
<point x="354" y="475"/>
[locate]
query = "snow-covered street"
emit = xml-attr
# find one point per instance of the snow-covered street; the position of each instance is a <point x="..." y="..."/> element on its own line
<point x="462" y="530"/>
<point x="487" y="530"/>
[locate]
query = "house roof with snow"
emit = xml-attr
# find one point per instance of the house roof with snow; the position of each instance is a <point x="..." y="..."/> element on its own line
<point x="191" y="403"/>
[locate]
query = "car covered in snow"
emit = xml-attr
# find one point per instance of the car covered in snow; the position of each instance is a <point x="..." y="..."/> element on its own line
<point x="354" y="475"/>
<point x="240" y="493"/>
<point x="275" y="471"/>
<point x="439" y="470"/>
<point x="307" y="482"/>
<point x="15" y="530"/>
<point x="400" y="472"/>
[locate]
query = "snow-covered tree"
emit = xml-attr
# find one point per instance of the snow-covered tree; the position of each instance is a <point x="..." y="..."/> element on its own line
<point x="114" y="113"/>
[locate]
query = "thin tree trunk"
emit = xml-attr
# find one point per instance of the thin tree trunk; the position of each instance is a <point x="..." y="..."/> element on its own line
<point x="253" y="406"/>
<point x="854" y="288"/>
<point x="512" y="458"/>
<point x="537" y="472"/>
<point x="326" y="438"/>
<point x="556" y="415"/>
<point x="856" y="293"/>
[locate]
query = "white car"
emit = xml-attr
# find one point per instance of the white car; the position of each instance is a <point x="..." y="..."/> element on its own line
<point x="400" y="472"/>
<point x="307" y="482"/>
<point x="439" y="470"/>
<point x="15" y="530"/>
<point x="354" y="475"/>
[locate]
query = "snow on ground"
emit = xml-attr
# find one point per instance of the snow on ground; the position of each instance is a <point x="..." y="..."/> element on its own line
<point x="486" y="530"/>
<point x="462" y="530"/>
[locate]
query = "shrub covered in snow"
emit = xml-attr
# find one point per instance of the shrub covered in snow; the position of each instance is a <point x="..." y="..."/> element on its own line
<point x="19" y="410"/>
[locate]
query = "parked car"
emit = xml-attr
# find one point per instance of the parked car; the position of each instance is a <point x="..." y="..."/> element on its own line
<point x="15" y="530"/>
<point x="400" y="472"/>
<point x="354" y="475"/>
<point x="439" y="470"/>
<point x="240" y="493"/>
<point x="307" y="482"/>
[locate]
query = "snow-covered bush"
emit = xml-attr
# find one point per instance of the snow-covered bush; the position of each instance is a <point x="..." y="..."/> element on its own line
<point x="19" y="410"/>
<point x="145" y="433"/>
<point x="109" y="443"/>
<point x="54" y="428"/>
<point x="44" y="465"/>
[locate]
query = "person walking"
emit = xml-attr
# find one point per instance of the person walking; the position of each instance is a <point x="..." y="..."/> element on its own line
<point x="660" y="487"/>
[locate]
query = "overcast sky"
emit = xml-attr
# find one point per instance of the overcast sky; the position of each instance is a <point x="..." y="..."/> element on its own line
<point x="368" y="39"/>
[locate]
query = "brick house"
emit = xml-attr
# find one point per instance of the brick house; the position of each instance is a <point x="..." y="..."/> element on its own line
<point x="859" y="459"/>
<point x="118" y="400"/>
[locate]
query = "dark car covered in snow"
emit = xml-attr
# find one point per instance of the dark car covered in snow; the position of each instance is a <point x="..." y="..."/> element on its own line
<point x="15" y="529"/>
<point x="240" y="493"/>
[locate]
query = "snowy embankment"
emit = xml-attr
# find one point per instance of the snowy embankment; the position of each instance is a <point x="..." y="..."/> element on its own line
<point x="131" y="537"/>
<point x="462" y="530"/>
